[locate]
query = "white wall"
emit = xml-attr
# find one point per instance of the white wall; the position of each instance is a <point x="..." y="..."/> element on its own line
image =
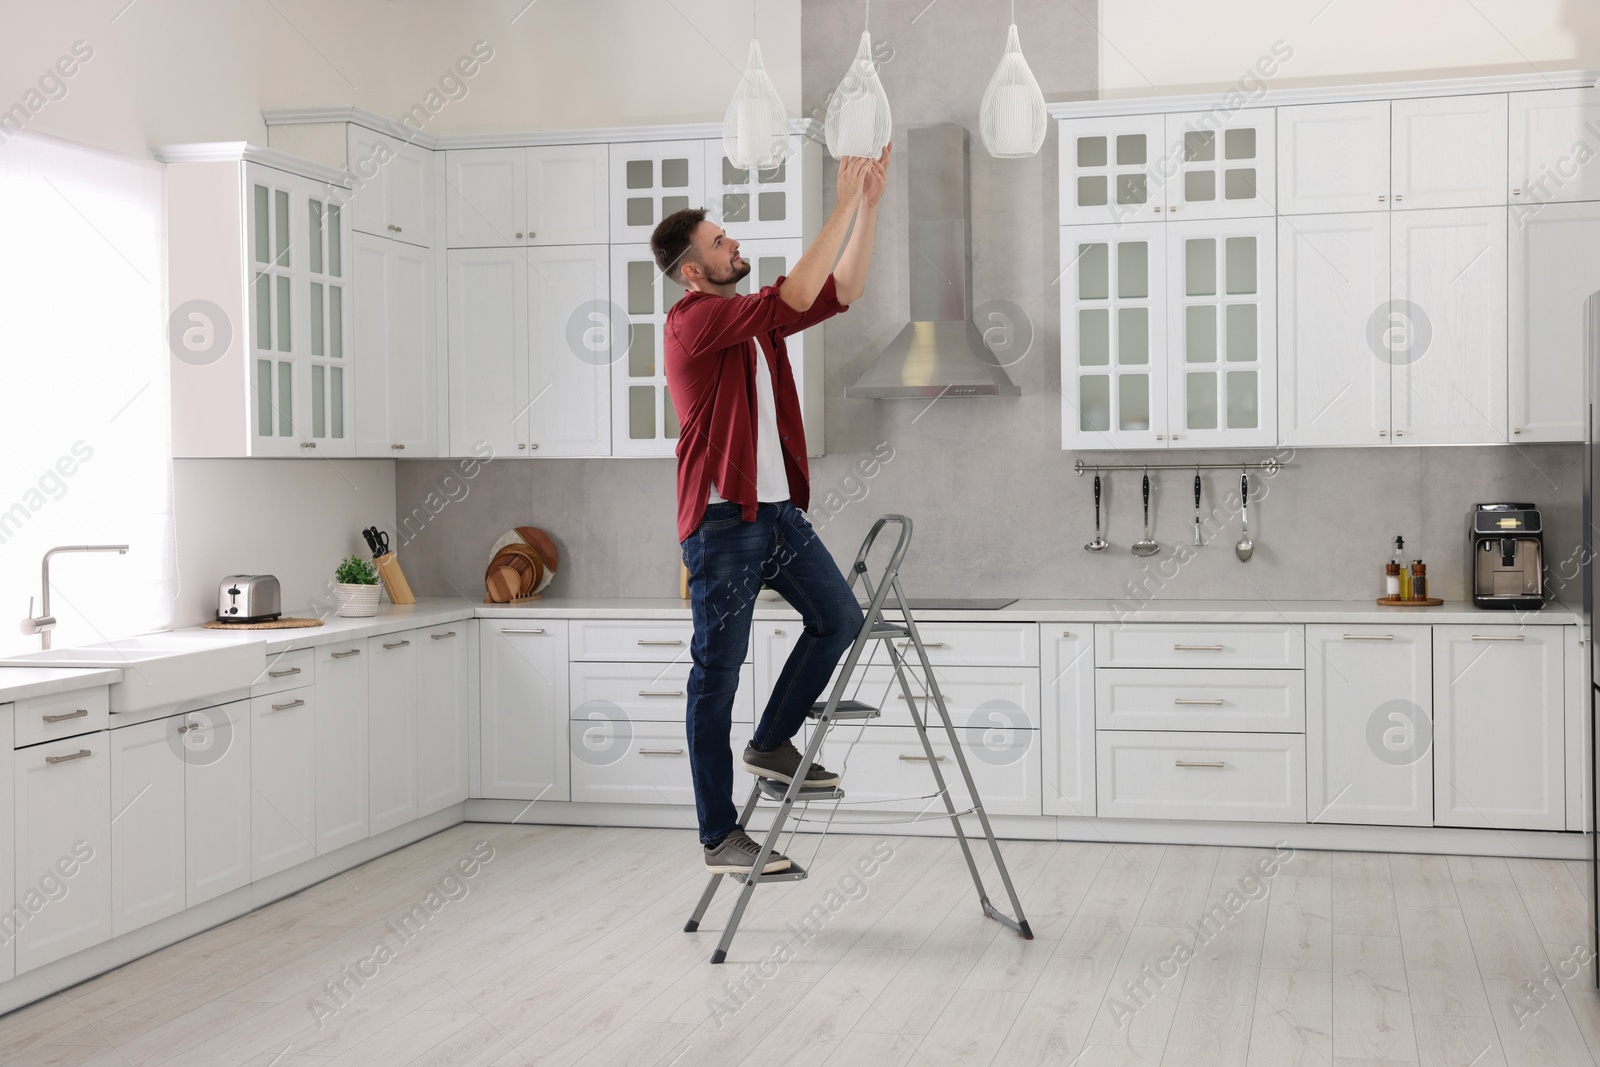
<point x="1155" y="47"/>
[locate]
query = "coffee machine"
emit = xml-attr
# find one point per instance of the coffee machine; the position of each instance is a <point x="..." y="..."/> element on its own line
<point x="1505" y="566"/>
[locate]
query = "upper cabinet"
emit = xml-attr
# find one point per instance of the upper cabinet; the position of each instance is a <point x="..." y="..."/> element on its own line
<point x="1449" y="151"/>
<point x="545" y="195"/>
<point x="756" y="204"/>
<point x="396" y="413"/>
<point x="1108" y="169"/>
<point x="1333" y="157"/>
<point x="394" y="187"/>
<point x="643" y="419"/>
<point x="649" y="181"/>
<point x="1552" y="146"/>
<point x="1555" y="265"/>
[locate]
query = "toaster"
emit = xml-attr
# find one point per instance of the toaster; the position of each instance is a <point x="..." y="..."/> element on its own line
<point x="249" y="598"/>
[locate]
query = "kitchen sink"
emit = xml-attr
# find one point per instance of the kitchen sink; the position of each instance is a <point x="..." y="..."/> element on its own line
<point x="161" y="669"/>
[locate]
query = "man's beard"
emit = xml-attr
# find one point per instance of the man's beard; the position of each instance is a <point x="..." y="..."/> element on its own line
<point x="735" y="274"/>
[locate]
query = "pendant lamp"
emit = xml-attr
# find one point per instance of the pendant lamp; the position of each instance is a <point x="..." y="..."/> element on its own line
<point x="1012" y="118"/>
<point x="858" y="122"/>
<point x="755" y="130"/>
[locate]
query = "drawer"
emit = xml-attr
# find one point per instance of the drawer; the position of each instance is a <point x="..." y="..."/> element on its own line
<point x="644" y="692"/>
<point x="1233" y="777"/>
<point x="1254" y="645"/>
<point x="287" y="670"/>
<point x="61" y="715"/>
<point x="976" y="697"/>
<point x="1242" y="701"/>
<point x="639" y="763"/>
<point x="889" y="769"/>
<point x="634" y="640"/>
<point x="977" y="644"/>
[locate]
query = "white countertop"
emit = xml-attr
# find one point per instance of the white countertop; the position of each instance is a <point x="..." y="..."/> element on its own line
<point x="20" y="683"/>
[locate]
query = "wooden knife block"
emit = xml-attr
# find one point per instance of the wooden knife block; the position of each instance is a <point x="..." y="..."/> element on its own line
<point x="394" y="579"/>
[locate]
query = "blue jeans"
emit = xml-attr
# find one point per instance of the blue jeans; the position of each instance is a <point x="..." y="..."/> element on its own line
<point x="729" y="560"/>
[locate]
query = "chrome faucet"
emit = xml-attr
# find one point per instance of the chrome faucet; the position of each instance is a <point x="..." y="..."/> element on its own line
<point x="44" y="622"/>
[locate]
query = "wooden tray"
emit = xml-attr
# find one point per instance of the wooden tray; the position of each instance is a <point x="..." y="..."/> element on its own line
<point x="1396" y="602"/>
<point x="282" y="623"/>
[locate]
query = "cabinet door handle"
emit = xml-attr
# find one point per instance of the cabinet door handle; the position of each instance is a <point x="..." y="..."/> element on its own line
<point x="441" y="637"/>
<point x="1482" y="637"/>
<point x="1381" y="199"/>
<point x="661" y="692"/>
<point x="350" y="652"/>
<point x="925" y="644"/>
<point x="1214" y="765"/>
<point x="80" y="754"/>
<point x="1187" y="700"/>
<point x="1066" y="633"/>
<point x="283" y="674"/>
<point x="286" y="707"/>
<point x="506" y="630"/>
<point x="80" y="713"/>
<point x="669" y="644"/>
<point x="661" y="752"/>
<point x="397" y="447"/>
<point x="919" y="696"/>
<point x="920" y="759"/>
<point x="395" y="644"/>
<point x="186" y="727"/>
<point x="1369" y="637"/>
<point x="1197" y="648"/>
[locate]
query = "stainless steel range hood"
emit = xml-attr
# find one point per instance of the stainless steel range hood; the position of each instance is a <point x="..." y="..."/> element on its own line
<point x="940" y="352"/>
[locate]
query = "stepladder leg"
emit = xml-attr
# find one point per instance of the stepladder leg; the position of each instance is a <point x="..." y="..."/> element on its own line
<point x="711" y="887"/>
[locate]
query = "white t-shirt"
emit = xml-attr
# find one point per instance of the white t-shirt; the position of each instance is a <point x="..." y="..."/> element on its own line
<point x="772" y="481"/>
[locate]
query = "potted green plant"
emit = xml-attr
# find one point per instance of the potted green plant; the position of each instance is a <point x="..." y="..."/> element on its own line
<point x="357" y="588"/>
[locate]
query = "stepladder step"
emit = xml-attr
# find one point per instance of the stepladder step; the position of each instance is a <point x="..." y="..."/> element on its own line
<point x="847" y="709"/>
<point x="772" y="790"/>
<point x="795" y="873"/>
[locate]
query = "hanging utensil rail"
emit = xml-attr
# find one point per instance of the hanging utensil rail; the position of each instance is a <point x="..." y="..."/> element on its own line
<point x="1271" y="466"/>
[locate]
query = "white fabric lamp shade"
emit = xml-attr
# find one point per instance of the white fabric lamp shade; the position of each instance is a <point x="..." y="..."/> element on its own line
<point x="858" y="121"/>
<point x="1012" y="119"/>
<point x="755" y="130"/>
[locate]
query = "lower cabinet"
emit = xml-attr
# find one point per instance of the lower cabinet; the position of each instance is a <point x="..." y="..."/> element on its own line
<point x="341" y="745"/>
<point x="446" y="656"/>
<point x="1205" y="775"/>
<point x="625" y="762"/>
<point x="392" y="730"/>
<point x="63" y="848"/>
<point x="216" y="800"/>
<point x="1067" y="679"/>
<point x="1369" y="724"/>
<point x="523" y="710"/>
<point x="1499" y="715"/>
<point x="283" y="773"/>
<point x="148" y="875"/>
<point x="887" y="767"/>
<point x="8" y="854"/>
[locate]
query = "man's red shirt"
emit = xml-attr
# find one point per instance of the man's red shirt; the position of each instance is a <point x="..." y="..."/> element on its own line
<point x="711" y="373"/>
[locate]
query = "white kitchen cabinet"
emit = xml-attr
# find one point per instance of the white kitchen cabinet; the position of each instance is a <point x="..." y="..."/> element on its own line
<point x="1554" y="266"/>
<point x="646" y="692"/>
<point x="643" y="419"/>
<point x="1552" y="146"/>
<point x="446" y="660"/>
<point x="523" y="713"/>
<point x="341" y="745"/>
<point x="283" y="775"/>
<point x="649" y="181"/>
<point x="487" y="313"/>
<point x="1369" y="732"/>
<point x="1333" y="275"/>
<point x="1221" y="352"/>
<point x="1221" y="168"/>
<point x="1113" y="336"/>
<point x="1449" y="151"/>
<point x="1111" y="169"/>
<point x="147" y="824"/>
<point x="63" y="847"/>
<point x="1174" y="775"/>
<point x="396" y="412"/>
<point x="1499" y="721"/>
<point x="8" y="851"/>
<point x="216" y="800"/>
<point x="1449" y="280"/>
<point x="889" y="771"/>
<point x="518" y="197"/>
<point x="752" y="204"/>
<point x="1066" y="728"/>
<point x="396" y="201"/>
<point x="391" y="730"/>
<point x="1333" y="157"/>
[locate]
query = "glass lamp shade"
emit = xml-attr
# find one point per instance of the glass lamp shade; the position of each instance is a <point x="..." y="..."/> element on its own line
<point x="858" y="121"/>
<point x="1012" y="119"/>
<point x="755" y="130"/>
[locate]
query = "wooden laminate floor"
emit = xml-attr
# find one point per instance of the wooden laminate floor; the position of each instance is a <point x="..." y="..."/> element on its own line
<point x="566" y="947"/>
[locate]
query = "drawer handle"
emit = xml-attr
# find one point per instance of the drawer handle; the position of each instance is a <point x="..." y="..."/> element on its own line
<point x="919" y="696"/>
<point x="1495" y="637"/>
<point x="283" y="674"/>
<point x="80" y="713"/>
<point x="1369" y="637"/>
<point x="661" y="752"/>
<point x="1186" y="700"/>
<point x="661" y="692"/>
<point x="441" y="637"/>
<point x="395" y="644"/>
<point x="670" y="644"/>
<point x="351" y="652"/>
<point x="80" y="754"/>
<point x="921" y="759"/>
<point x="506" y="630"/>
<point x="1197" y="648"/>
<point x="286" y="707"/>
<point x="1216" y="765"/>
<point x="925" y="644"/>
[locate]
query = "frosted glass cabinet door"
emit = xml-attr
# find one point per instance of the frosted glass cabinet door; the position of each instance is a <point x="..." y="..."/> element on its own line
<point x="643" y="420"/>
<point x="1555" y="265"/>
<point x="1449" y="151"/>
<point x="276" y="345"/>
<point x="1222" y="336"/>
<point x="649" y="181"/>
<point x="1333" y="276"/>
<point x="1221" y="170"/>
<point x="1552" y="146"/>
<point x="327" y="388"/>
<point x="1333" y="157"/>
<point x="1113" y="336"/>
<point x="1109" y="169"/>
<point x="752" y="204"/>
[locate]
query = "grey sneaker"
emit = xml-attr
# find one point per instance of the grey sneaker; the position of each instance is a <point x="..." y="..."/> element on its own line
<point x="737" y="855"/>
<point x="781" y="763"/>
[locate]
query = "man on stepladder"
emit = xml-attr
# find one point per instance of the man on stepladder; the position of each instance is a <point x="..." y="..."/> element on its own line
<point x="743" y="487"/>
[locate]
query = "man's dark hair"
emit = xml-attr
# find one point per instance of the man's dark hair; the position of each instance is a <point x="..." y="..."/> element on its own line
<point x="673" y="241"/>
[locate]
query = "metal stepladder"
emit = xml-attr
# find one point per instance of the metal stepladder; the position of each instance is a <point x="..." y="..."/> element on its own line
<point x="836" y="709"/>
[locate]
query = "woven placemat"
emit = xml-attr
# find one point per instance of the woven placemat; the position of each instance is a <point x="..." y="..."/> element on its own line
<point x="285" y="623"/>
